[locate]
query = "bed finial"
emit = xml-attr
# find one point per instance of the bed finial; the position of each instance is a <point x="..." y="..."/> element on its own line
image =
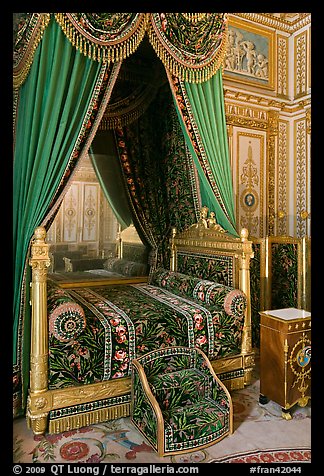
<point x="244" y="234"/>
<point x="173" y="249"/>
<point x="40" y="234"/>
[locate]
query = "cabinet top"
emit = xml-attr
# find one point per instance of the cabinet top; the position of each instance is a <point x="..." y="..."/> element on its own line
<point x="288" y="313"/>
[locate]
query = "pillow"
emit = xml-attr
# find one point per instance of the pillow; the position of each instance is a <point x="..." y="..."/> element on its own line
<point x="233" y="301"/>
<point x="67" y="321"/>
<point x="66" y="317"/>
<point x="125" y="267"/>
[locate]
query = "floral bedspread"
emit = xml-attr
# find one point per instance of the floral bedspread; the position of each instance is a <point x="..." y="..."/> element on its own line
<point x="114" y="324"/>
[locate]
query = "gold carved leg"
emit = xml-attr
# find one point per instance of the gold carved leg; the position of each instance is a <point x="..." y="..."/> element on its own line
<point x="286" y="414"/>
<point x="37" y="423"/>
<point x="303" y="401"/>
<point x="249" y="365"/>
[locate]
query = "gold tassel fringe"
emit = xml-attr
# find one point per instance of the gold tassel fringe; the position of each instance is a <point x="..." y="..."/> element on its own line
<point x="186" y="73"/>
<point x="105" y="53"/>
<point x="20" y="73"/>
<point x="72" y="422"/>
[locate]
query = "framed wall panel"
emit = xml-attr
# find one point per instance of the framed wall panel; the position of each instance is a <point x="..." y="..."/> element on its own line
<point x="250" y="56"/>
<point x="249" y="170"/>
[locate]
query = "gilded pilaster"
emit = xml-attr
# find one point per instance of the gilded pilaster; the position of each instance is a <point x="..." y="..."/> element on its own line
<point x="301" y="181"/>
<point x="300" y="48"/>
<point x="272" y="139"/>
<point x="282" y="69"/>
<point x="244" y="279"/>
<point x="282" y="211"/>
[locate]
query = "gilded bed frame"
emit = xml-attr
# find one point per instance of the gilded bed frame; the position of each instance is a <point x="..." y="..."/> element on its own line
<point x="42" y="400"/>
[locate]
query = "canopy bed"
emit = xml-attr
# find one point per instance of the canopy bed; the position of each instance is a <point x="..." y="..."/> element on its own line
<point x="83" y="338"/>
<point x="141" y="93"/>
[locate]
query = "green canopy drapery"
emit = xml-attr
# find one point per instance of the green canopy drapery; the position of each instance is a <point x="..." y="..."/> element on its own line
<point x="158" y="174"/>
<point x="201" y="112"/>
<point x="67" y="66"/>
<point x="59" y="102"/>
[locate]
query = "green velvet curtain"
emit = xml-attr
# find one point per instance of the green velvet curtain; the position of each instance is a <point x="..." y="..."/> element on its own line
<point x="53" y="103"/>
<point x="104" y="157"/>
<point x="201" y="112"/>
<point x="158" y="173"/>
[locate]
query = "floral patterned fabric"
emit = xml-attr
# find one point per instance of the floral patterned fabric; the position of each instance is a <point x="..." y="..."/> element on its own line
<point x="127" y="321"/>
<point x="195" y="407"/>
<point x="233" y="301"/>
<point x="284" y="280"/>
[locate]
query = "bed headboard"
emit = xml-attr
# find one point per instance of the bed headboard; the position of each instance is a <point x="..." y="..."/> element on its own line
<point x="208" y="251"/>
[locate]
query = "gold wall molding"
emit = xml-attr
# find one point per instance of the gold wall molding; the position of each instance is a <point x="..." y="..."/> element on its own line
<point x="300" y="64"/>
<point x="282" y="66"/>
<point x="282" y="199"/>
<point x="309" y="121"/>
<point x="300" y="178"/>
<point x="281" y="23"/>
<point x="272" y="139"/>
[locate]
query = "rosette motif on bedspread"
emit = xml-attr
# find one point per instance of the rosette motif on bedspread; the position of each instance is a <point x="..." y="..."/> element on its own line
<point x="124" y="322"/>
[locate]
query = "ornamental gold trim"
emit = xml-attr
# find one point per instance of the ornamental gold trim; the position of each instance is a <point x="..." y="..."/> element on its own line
<point x="113" y="52"/>
<point x="190" y="74"/>
<point x="20" y="73"/>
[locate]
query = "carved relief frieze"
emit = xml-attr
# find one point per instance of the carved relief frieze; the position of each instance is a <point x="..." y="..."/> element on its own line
<point x="245" y="116"/>
<point x="279" y="21"/>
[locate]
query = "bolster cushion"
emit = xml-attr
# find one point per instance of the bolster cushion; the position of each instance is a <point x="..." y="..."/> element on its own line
<point x="125" y="267"/>
<point x="232" y="301"/>
<point x="66" y="317"/>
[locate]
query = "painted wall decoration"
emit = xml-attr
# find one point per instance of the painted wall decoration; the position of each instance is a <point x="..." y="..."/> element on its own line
<point x="250" y="180"/>
<point x="250" y="55"/>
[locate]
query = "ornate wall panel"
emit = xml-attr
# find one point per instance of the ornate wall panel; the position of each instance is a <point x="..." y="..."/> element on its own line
<point x="249" y="161"/>
<point x="282" y="180"/>
<point x="301" y="64"/>
<point x="90" y="213"/>
<point x="301" y="178"/>
<point x="70" y="214"/>
<point x="282" y="66"/>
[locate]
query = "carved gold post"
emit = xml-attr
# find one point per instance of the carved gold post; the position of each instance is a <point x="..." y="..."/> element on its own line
<point x="244" y="283"/>
<point x="37" y="402"/>
<point x="119" y="243"/>
<point x="173" y="263"/>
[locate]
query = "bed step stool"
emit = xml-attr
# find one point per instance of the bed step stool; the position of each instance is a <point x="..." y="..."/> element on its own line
<point x="178" y="402"/>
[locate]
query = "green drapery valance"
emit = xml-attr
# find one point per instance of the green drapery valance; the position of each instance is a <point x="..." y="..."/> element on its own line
<point x="191" y="46"/>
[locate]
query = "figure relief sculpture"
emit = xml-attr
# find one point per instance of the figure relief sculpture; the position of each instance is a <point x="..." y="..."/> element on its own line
<point x="203" y="218"/>
<point x="242" y="56"/>
<point x="208" y="222"/>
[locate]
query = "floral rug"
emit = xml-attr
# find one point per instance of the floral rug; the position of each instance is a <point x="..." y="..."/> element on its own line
<point x="260" y="435"/>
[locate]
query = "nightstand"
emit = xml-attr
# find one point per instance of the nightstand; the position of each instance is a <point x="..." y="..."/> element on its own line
<point x="285" y="358"/>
